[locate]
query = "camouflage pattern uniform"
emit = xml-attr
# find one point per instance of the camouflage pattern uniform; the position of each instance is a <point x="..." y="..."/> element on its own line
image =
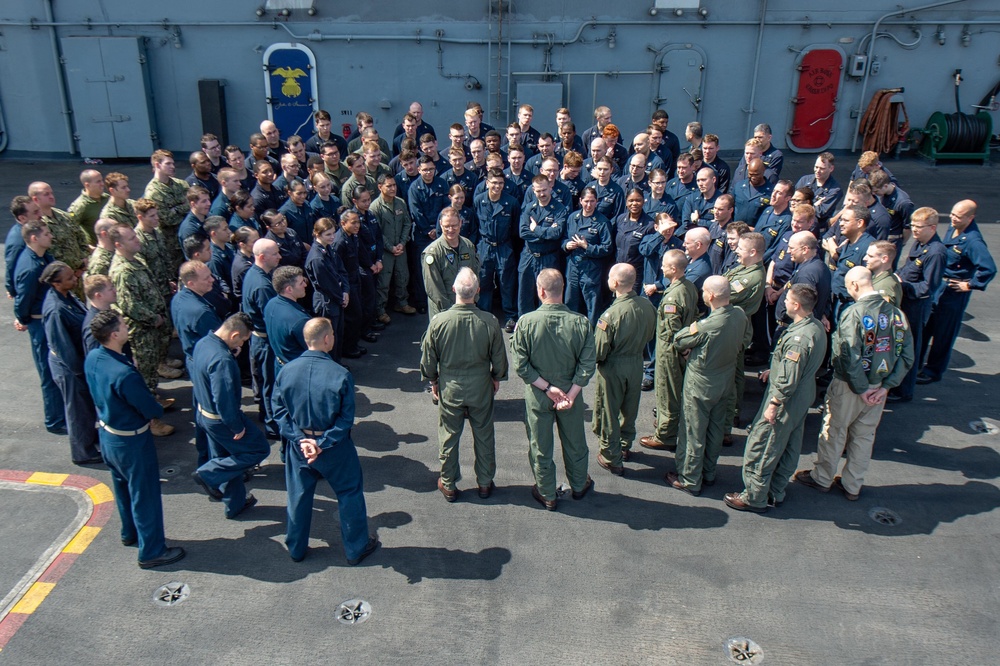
<point x="141" y="301"/>
<point x="154" y="253"/>
<point x="171" y="202"/>
<point x="100" y="261"/>
<point x="69" y="243"/>
<point x="121" y="215"/>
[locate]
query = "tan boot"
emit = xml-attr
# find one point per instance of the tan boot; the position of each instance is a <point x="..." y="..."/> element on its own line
<point x="167" y="372"/>
<point x="160" y="429"/>
<point x="175" y="363"/>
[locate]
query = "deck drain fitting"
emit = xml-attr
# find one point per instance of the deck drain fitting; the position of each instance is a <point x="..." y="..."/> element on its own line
<point x="983" y="427"/>
<point x="742" y="650"/>
<point x="884" y="516"/>
<point x="170" y="470"/>
<point x="171" y="594"/>
<point x="354" y="611"/>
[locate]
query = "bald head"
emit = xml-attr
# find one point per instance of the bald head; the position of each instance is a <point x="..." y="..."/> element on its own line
<point x="318" y="334"/>
<point x="696" y="242"/>
<point x="621" y="278"/>
<point x="858" y="282"/>
<point x="962" y="214"/>
<point x="715" y="291"/>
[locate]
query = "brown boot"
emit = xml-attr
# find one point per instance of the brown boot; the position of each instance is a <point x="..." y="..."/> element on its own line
<point x="174" y="363"/>
<point x="166" y="403"/>
<point x="167" y="372"/>
<point x="160" y="429"/>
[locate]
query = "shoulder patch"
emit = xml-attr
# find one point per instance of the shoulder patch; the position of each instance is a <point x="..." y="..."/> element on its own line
<point x="792" y="356"/>
<point x="428" y="260"/>
<point x="601" y="324"/>
<point x="883" y="367"/>
<point x="670" y="309"/>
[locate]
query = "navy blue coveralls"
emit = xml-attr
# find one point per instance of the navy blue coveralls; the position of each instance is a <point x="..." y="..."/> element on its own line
<point x="314" y="399"/>
<point x="257" y="291"/>
<point x="541" y="249"/>
<point x="194" y="318"/>
<point x="498" y="223"/>
<point x="585" y="266"/>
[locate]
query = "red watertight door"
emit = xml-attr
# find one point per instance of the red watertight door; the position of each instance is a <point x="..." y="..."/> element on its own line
<point x="815" y="100"/>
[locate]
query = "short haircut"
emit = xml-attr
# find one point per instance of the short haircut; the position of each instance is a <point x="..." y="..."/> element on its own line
<point x="225" y="173"/>
<point x="316" y="329"/>
<point x="195" y="156"/>
<point x="573" y="159"/>
<point x="806" y="210"/>
<point x="293" y="141"/>
<point x="328" y="146"/>
<point x="754" y="143"/>
<point x="686" y="158"/>
<point x="114" y="179"/>
<point x="193" y="243"/>
<point x="728" y="198"/>
<point x="540" y="180"/>
<point x="860" y="186"/>
<point x="353" y="159"/>
<point x="214" y="223"/>
<point x="861" y="214"/>
<point x="806" y="193"/>
<point x="364" y="117"/>
<point x="805" y="295"/>
<point x="695" y="129"/>
<point x="189" y="270"/>
<point x="868" y="158"/>
<point x="660" y="114"/>
<point x="96" y="284"/>
<point x="322" y="115"/>
<point x="551" y="280"/>
<point x="32" y="228"/>
<point x="231" y="149"/>
<point x="196" y="192"/>
<point x="763" y="128"/>
<point x="676" y="258"/>
<point x="711" y="138"/>
<point x="885" y="248"/>
<point x="160" y="155"/>
<point x="754" y="240"/>
<point x="104" y="324"/>
<point x="925" y="214"/>
<point x="19" y="205"/>
<point x="104" y="226"/>
<point x="239" y="322"/>
<point x="827" y="157"/>
<point x="259" y="166"/>
<point x="466" y="283"/>
<point x="284" y="277"/>
<point x="207" y="138"/>
<point x="878" y="178"/>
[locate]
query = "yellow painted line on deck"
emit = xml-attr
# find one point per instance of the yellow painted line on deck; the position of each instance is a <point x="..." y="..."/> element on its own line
<point x="33" y="598"/>
<point x="100" y="493"/>
<point x="82" y="539"/>
<point x="46" y="479"/>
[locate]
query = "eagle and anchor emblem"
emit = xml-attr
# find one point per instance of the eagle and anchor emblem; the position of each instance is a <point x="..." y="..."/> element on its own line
<point x="290" y="87"/>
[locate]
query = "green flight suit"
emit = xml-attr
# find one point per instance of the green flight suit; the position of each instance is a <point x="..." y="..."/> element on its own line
<point x="678" y="309"/>
<point x="100" y="261"/>
<point x="171" y="203"/>
<point x="348" y="187"/>
<point x="85" y="211"/>
<point x="872" y="347"/>
<point x="772" y="451"/>
<point x="141" y="302"/>
<point x="746" y="291"/>
<point x="440" y="264"/>
<point x="887" y="284"/>
<point x="558" y="345"/>
<point x="397" y="228"/>
<point x="463" y="352"/>
<point x="620" y="338"/>
<point x="124" y="215"/>
<point x="719" y="339"/>
<point x="339" y="177"/>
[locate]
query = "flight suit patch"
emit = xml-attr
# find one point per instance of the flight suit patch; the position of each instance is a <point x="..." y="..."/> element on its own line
<point x="737" y="286"/>
<point x="870" y="338"/>
<point x="792" y="356"/>
<point x="868" y="322"/>
<point x="882" y="345"/>
<point x="601" y="324"/>
<point x="670" y="309"/>
<point x="883" y="367"/>
<point x="883" y="322"/>
<point x="428" y="260"/>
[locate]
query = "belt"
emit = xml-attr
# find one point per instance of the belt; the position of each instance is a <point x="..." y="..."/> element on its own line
<point x="312" y="433"/>
<point x="490" y="243"/>
<point x="258" y="334"/>
<point x="539" y="255"/>
<point x="280" y="362"/>
<point x="894" y="237"/>
<point x="36" y="316"/>
<point x="209" y="415"/>
<point x="124" y="433"/>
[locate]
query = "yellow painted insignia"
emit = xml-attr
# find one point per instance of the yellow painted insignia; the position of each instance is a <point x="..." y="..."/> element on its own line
<point x="290" y="87"/>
